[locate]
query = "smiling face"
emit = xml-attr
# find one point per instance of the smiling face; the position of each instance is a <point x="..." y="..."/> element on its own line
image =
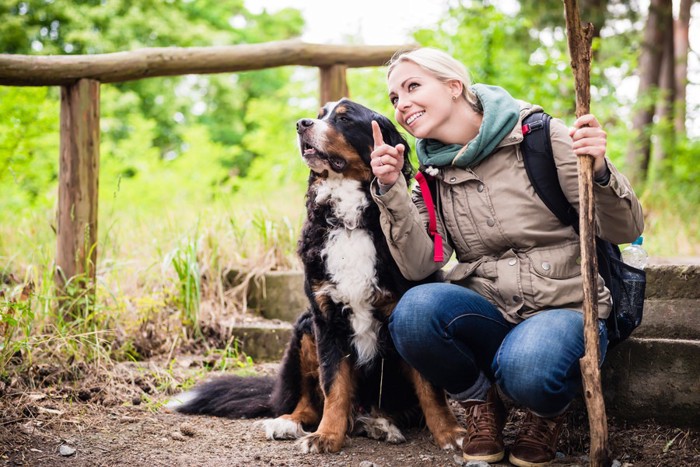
<point x="423" y="104"/>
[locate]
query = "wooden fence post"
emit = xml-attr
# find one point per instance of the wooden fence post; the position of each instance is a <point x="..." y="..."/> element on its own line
<point x="334" y="84"/>
<point x="76" y="254"/>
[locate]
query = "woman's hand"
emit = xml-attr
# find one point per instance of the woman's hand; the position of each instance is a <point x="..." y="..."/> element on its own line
<point x="589" y="138"/>
<point x="387" y="160"/>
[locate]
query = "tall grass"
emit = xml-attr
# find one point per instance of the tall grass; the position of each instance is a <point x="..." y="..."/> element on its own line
<point x="160" y="275"/>
<point x="186" y="263"/>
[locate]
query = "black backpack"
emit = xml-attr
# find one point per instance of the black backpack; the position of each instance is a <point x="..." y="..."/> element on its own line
<point x="626" y="283"/>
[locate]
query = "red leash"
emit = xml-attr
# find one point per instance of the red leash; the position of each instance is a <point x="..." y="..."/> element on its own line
<point x="432" y="219"/>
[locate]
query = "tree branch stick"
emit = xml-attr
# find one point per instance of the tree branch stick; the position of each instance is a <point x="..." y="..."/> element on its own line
<point x="579" y="38"/>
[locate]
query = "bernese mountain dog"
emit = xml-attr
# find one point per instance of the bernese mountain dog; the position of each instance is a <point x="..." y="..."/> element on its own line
<point x="341" y="373"/>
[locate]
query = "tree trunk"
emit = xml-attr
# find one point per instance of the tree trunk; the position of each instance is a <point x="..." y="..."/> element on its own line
<point x="682" y="45"/>
<point x="667" y="96"/>
<point x="639" y="150"/>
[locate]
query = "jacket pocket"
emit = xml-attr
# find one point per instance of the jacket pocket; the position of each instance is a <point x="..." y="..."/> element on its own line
<point x="554" y="275"/>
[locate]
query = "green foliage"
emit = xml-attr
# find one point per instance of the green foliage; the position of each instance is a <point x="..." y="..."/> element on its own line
<point x="186" y="263"/>
<point x="28" y="147"/>
<point x="507" y="51"/>
<point x="217" y="102"/>
<point x="231" y="358"/>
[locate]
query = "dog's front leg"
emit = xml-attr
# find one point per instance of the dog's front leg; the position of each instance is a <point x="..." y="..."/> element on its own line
<point x="440" y="419"/>
<point x="338" y="388"/>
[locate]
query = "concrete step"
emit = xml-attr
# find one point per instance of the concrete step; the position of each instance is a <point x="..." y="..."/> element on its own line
<point x="654" y="378"/>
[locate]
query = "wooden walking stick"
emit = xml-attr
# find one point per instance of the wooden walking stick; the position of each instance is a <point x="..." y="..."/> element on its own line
<point x="579" y="38"/>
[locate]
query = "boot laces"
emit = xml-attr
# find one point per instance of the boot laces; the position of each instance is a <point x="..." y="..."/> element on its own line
<point x="482" y="421"/>
<point x="538" y="432"/>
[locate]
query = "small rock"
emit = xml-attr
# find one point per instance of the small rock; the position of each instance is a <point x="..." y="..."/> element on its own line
<point x="177" y="436"/>
<point x="84" y="395"/>
<point x="187" y="429"/>
<point x="66" y="450"/>
<point x="28" y="428"/>
<point x="368" y="464"/>
<point x="616" y="463"/>
<point x="136" y="400"/>
<point x="465" y="463"/>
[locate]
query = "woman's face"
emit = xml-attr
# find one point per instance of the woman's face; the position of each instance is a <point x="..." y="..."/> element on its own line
<point x="423" y="104"/>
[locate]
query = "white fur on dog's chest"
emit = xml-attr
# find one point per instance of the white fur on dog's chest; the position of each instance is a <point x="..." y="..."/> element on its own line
<point x="350" y="258"/>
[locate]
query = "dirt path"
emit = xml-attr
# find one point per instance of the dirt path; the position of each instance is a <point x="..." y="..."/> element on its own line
<point x="49" y="428"/>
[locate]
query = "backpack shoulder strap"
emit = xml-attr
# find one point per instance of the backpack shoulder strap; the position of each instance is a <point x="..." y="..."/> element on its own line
<point x="541" y="169"/>
<point x="427" y="194"/>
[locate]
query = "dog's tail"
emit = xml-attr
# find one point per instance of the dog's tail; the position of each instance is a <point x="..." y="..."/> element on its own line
<point x="228" y="396"/>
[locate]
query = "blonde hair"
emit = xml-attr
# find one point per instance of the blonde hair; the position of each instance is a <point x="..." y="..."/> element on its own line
<point x="440" y="64"/>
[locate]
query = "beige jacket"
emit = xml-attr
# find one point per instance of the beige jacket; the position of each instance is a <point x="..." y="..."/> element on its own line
<point x="509" y="246"/>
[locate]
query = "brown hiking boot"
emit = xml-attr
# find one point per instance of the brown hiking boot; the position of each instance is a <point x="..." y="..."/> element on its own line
<point x="536" y="443"/>
<point x="485" y="420"/>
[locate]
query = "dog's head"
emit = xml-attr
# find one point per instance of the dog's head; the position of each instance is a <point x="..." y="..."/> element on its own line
<point x="339" y="141"/>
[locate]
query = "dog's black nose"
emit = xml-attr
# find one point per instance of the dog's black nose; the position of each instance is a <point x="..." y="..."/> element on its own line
<point x="303" y="124"/>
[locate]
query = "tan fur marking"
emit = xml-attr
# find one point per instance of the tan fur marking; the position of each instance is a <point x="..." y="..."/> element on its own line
<point x="305" y="412"/>
<point x="356" y="168"/>
<point x="440" y="419"/>
<point x="322" y="299"/>
<point x="330" y="435"/>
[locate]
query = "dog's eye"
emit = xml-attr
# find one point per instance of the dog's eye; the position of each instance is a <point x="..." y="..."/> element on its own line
<point x="343" y="118"/>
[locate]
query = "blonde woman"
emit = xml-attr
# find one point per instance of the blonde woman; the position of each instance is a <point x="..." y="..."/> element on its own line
<point x="508" y="320"/>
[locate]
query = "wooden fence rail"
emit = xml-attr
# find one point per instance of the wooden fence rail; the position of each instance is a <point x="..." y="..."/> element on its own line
<point x="32" y="70"/>
<point x="80" y="76"/>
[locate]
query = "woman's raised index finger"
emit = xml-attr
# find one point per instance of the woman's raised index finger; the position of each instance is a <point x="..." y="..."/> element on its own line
<point x="377" y="134"/>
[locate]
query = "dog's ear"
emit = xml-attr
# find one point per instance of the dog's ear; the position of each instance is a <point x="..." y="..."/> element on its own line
<point x="393" y="137"/>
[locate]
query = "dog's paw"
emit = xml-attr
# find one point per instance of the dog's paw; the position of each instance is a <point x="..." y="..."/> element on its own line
<point x="282" y="428"/>
<point x="317" y="443"/>
<point x="450" y="438"/>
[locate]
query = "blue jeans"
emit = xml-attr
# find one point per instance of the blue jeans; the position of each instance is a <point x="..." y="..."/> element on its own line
<point x="460" y="341"/>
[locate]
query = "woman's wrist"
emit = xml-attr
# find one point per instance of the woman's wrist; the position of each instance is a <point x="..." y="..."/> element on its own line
<point x="383" y="188"/>
<point x="602" y="176"/>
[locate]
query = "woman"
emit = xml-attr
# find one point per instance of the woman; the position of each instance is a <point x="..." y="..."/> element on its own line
<point x="508" y="320"/>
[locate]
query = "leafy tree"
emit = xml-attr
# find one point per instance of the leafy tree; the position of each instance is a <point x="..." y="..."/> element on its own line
<point x="507" y="50"/>
<point x="218" y="102"/>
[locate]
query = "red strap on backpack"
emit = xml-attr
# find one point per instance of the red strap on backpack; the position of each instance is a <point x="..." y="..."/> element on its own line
<point x="432" y="219"/>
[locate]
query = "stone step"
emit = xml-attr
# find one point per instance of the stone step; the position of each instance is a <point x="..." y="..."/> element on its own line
<point x="264" y="341"/>
<point x="673" y="281"/>
<point x="674" y="318"/>
<point x="654" y="378"/>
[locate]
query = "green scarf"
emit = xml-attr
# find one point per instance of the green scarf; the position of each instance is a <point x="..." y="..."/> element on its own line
<point x="501" y="113"/>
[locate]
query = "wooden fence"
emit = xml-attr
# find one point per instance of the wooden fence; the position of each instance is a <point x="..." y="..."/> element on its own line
<point x="80" y="76"/>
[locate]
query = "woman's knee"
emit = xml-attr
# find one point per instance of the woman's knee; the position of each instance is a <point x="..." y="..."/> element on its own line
<point x="537" y="365"/>
<point x="410" y="314"/>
